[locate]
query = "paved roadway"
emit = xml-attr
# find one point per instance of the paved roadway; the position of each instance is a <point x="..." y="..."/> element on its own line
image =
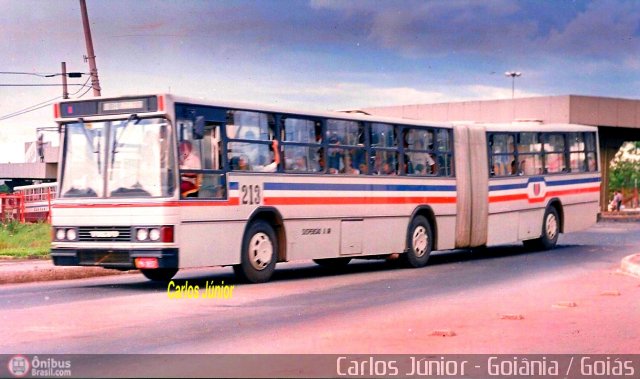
<point x="501" y="300"/>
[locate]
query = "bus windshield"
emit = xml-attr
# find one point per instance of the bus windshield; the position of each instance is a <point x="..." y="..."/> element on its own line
<point x="119" y="158"/>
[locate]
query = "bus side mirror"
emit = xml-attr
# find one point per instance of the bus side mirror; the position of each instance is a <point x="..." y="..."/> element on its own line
<point x="198" y="128"/>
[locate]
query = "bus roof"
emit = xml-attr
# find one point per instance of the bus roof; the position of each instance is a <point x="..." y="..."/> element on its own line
<point x="517" y="126"/>
<point x="359" y="116"/>
<point x="345" y="115"/>
<point x="538" y="127"/>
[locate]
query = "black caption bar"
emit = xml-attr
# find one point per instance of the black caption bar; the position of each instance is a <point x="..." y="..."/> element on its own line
<point x="321" y="365"/>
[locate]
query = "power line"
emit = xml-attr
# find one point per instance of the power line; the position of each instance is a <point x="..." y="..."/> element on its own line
<point x="44" y="103"/>
<point x="37" y="85"/>
<point x="85" y="92"/>
<point x="83" y="85"/>
<point x="29" y="108"/>
<point x="26" y="110"/>
<point x="41" y="74"/>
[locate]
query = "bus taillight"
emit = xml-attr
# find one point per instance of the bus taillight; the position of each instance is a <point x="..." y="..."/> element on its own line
<point x="166" y="234"/>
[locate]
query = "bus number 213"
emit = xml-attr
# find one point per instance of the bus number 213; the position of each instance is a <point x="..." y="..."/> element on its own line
<point x="250" y="194"/>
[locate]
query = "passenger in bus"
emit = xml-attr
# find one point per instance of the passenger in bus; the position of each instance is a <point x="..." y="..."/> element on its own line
<point x="300" y="164"/>
<point x="348" y="166"/>
<point x="387" y="169"/>
<point x="189" y="182"/>
<point x="243" y="163"/>
<point x="522" y="168"/>
<point x="321" y="162"/>
<point x="514" y="168"/>
<point x="377" y="164"/>
<point x="425" y="160"/>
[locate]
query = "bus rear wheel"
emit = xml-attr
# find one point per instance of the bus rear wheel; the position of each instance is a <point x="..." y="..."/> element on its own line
<point x="160" y="274"/>
<point x="419" y="243"/>
<point x="550" y="231"/>
<point x="258" y="257"/>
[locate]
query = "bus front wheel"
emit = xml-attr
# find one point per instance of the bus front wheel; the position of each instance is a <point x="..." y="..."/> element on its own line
<point x="160" y="274"/>
<point x="419" y="243"/>
<point x="258" y="257"/>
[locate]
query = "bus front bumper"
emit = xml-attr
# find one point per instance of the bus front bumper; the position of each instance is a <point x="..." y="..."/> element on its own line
<point x="121" y="259"/>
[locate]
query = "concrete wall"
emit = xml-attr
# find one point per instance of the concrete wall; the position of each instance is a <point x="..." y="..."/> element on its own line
<point x="588" y="110"/>
<point x="28" y="170"/>
<point x="552" y="109"/>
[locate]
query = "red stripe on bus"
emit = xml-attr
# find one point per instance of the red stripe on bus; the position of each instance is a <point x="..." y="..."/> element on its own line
<point x="356" y="200"/>
<point x="573" y="191"/>
<point x="232" y="201"/>
<point x="524" y="196"/>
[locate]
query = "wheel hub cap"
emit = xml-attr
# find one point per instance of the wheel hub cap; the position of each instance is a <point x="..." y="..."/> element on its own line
<point x="552" y="226"/>
<point x="260" y="251"/>
<point x="420" y="241"/>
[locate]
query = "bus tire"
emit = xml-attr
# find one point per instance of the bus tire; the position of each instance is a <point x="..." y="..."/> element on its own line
<point x="259" y="253"/>
<point x="334" y="263"/>
<point x="419" y="243"/>
<point x="160" y="274"/>
<point x="550" y="231"/>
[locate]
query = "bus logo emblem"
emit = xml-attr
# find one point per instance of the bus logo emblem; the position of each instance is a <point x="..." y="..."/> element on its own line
<point x="536" y="189"/>
<point x="104" y="233"/>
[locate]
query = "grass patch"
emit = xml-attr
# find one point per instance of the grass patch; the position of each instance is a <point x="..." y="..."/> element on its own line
<point x="25" y="240"/>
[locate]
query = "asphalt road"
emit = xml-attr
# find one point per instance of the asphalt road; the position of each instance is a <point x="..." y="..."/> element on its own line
<point x="503" y="299"/>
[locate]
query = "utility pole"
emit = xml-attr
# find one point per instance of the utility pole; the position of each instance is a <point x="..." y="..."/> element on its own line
<point x="65" y="92"/>
<point x="91" y="56"/>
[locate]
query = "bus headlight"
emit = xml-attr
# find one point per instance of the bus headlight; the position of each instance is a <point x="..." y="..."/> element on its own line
<point x="60" y="234"/>
<point x="71" y="234"/>
<point x="142" y="234"/>
<point x="154" y="234"/>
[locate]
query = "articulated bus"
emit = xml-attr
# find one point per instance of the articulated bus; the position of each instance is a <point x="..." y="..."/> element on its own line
<point x="160" y="183"/>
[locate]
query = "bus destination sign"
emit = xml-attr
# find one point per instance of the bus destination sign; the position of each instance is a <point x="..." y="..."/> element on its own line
<point x="107" y="107"/>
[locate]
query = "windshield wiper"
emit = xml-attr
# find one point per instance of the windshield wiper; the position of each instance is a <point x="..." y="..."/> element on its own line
<point x="90" y="141"/>
<point x="114" y="149"/>
<point x="124" y="128"/>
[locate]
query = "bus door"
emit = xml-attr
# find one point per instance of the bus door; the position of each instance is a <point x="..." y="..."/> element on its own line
<point x="201" y="129"/>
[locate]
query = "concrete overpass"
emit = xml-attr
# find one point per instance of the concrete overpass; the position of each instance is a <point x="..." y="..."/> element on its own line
<point x="618" y="120"/>
<point x="36" y="168"/>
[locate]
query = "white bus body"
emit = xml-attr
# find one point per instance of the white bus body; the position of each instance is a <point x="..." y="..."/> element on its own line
<point x="250" y="220"/>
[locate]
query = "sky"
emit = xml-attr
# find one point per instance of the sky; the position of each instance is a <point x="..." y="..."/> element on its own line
<point x="315" y="54"/>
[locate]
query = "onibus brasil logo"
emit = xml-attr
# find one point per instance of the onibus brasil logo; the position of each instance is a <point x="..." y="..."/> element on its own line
<point x="19" y="366"/>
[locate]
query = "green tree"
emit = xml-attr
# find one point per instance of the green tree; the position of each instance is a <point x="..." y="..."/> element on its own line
<point x="625" y="167"/>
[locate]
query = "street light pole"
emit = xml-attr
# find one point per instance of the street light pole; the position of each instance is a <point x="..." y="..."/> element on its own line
<point x="513" y="75"/>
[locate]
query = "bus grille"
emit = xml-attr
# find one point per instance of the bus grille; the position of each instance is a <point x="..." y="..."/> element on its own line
<point x="104" y="234"/>
<point x="104" y="258"/>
